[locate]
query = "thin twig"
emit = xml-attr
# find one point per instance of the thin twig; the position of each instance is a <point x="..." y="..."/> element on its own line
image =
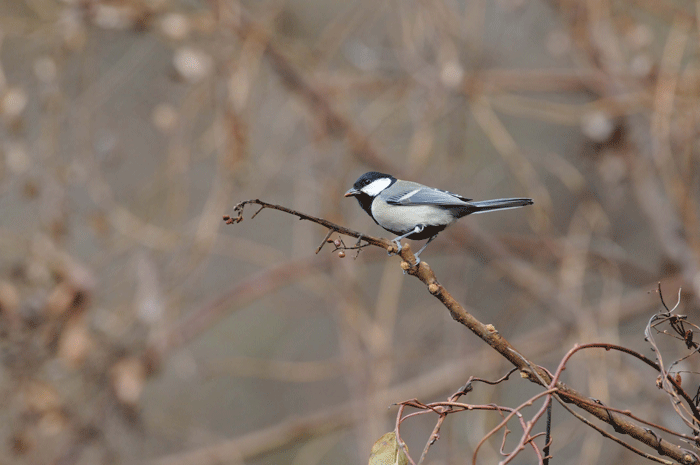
<point x="325" y="240"/>
<point x="435" y="435"/>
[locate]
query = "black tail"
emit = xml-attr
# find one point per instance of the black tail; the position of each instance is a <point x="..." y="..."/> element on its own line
<point x="497" y="204"/>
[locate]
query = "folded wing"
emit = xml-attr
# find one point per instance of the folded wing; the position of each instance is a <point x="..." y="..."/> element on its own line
<point x="427" y="196"/>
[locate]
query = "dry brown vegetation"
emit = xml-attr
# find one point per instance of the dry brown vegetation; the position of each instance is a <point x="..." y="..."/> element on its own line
<point x="136" y="327"/>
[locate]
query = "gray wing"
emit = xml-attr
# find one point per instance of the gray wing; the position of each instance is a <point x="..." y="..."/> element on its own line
<point x="427" y="196"/>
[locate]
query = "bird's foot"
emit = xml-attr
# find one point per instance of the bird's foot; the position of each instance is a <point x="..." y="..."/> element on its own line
<point x="397" y="246"/>
<point x="406" y="265"/>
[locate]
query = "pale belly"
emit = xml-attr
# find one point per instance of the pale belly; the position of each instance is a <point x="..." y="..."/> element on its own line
<point x="401" y="219"/>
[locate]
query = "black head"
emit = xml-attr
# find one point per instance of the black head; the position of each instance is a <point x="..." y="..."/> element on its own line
<point x="371" y="184"/>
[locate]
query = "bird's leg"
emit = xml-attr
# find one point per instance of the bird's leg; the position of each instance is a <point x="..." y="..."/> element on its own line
<point x="423" y="248"/>
<point x="397" y="241"/>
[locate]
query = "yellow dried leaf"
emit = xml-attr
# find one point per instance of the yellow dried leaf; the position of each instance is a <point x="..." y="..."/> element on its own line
<point x="386" y="451"/>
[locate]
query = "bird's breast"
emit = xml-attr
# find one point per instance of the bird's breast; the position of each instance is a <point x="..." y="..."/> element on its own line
<point x="401" y="219"/>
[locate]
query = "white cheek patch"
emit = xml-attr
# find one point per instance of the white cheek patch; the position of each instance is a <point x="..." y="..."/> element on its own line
<point x="375" y="187"/>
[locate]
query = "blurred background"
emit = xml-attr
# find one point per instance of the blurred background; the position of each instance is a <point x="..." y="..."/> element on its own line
<point x="136" y="327"/>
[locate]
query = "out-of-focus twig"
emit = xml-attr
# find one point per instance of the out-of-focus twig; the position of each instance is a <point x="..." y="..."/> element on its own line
<point x="334" y="121"/>
<point x="646" y="143"/>
<point x="201" y="319"/>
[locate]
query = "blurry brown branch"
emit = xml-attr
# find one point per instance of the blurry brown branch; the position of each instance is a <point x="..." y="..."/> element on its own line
<point x="333" y="120"/>
<point x="490" y="335"/>
<point x="662" y="192"/>
<point x="194" y="323"/>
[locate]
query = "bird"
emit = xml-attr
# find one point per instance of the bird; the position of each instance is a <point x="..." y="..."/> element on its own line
<point x="414" y="211"/>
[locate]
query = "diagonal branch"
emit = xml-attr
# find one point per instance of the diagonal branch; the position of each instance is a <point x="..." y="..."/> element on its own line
<point x="238" y="209"/>
<point x="489" y="334"/>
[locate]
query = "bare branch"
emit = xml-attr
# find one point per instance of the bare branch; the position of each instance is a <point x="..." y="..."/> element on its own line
<point x="490" y="335"/>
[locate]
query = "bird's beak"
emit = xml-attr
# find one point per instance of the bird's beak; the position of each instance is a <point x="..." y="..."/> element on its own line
<point x="352" y="191"/>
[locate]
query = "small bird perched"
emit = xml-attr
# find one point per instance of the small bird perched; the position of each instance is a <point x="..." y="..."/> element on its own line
<point x="415" y="211"/>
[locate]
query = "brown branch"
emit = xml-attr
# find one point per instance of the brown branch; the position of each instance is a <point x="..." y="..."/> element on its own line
<point x="251" y="445"/>
<point x="435" y="435"/>
<point x="665" y="378"/>
<point x="612" y="437"/>
<point x="527" y="427"/>
<point x="676" y="386"/>
<point x="490" y="335"/>
<point x="243" y="293"/>
<point x="442" y="409"/>
<point x="333" y="120"/>
<point x="238" y="209"/>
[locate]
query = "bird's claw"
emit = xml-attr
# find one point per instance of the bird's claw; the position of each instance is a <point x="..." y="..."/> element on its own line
<point x="398" y="247"/>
